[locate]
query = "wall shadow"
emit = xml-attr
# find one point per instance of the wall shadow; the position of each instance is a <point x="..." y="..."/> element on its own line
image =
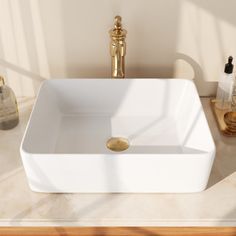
<point x="23" y="59"/>
<point x="83" y="51"/>
<point x="221" y="10"/>
<point x="203" y="86"/>
<point x="22" y="71"/>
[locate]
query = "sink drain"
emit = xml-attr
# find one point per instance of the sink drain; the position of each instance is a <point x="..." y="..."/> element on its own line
<point x="117" y="144"/>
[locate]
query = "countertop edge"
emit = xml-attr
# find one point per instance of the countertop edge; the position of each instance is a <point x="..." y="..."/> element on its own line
<point x="119" y="223"/>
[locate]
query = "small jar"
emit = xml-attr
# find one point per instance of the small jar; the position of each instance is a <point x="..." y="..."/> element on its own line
<point x="9" y="116"/>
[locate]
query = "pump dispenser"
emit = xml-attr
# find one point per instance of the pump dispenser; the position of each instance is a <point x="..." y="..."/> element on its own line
<point x="229" y="66"/>
<point x="225" y="87"/>
<point x="9" y="116"/>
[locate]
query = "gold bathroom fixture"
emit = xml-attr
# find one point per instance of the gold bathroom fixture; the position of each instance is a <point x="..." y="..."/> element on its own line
<point x="117" y="144"/>
<point x="226" y="120"/>
<point x="2" y="82"/>
<point x="118" y="49"/>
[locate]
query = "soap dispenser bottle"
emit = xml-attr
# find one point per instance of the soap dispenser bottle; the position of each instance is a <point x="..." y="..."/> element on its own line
<point x="9" y="116"/>
<point x="225" y="87"/>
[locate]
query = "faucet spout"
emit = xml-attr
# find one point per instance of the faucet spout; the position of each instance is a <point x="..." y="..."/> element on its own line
<point x="118" y="49"/>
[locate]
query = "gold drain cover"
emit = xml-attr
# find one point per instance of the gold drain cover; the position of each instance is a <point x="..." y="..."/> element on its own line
<point x="117" y="144"/>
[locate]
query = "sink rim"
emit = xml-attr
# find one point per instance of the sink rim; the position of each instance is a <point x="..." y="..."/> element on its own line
<point x="129" y="172"/>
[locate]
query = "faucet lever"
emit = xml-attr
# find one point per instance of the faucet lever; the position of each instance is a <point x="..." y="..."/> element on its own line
<point x="118" y="24"/>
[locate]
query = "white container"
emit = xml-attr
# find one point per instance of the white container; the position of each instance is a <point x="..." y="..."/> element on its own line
<point x="171" y="147"/>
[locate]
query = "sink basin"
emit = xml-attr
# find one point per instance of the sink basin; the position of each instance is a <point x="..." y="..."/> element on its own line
<point x="169" y="147"/>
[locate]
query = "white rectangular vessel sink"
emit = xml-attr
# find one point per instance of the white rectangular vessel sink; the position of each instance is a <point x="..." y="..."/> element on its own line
<point x="64" y="148"/>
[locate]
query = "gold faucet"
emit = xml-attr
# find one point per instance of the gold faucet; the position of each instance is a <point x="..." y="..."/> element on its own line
<point x="118" y="49"/>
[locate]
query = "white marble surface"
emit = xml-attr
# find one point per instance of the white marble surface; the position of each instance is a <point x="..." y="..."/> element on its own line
<point x="21" y="207"/>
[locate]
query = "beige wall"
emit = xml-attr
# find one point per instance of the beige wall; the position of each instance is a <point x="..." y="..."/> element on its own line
<point x="42" y="39"/>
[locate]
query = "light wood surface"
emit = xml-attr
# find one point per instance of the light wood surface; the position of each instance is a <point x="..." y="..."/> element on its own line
<point x="118" y="231"/>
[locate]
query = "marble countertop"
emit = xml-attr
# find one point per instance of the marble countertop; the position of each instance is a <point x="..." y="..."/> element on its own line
<point x="19" y="206"/>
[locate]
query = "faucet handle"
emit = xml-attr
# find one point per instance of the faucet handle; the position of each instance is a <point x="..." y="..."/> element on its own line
<point x="118" y="33"/>
<point x="118" y="24"/>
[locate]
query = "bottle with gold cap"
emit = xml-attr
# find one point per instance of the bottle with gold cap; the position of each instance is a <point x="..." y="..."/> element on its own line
<point x="9" y="116"/>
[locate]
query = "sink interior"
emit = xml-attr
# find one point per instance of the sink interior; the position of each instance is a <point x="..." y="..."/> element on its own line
<point x="78" y="116"/>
